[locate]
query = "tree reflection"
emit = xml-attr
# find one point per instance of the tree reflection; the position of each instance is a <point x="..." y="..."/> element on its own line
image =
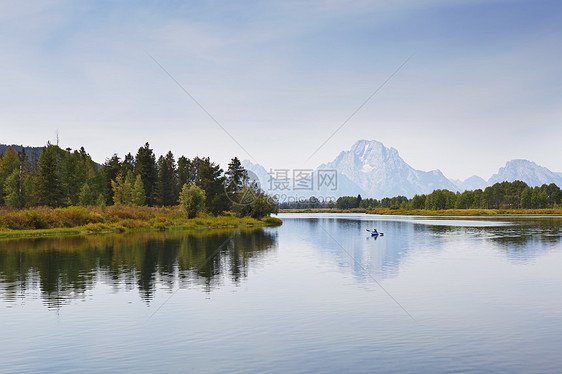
<point x="63" y="269"/>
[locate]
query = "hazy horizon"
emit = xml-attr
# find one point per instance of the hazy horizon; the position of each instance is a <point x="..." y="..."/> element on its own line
<point x="459" y="86"/>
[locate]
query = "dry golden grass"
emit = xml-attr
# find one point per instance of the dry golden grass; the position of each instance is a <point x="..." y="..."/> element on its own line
<point x="72" y="220"/>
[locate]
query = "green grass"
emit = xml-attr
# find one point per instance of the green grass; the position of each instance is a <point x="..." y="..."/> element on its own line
<point x="323" y="210"/>
<point x="468" y="212"/>
<point x="446" y="212"/>
<point x="43" y="221"/>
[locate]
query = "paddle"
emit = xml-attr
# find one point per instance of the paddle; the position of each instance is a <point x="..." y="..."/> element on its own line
<point x="380" y="233"/>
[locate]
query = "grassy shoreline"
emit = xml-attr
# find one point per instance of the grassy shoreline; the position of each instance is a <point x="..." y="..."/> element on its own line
<point x="44" y="221"/>
<point x="444" y="213"/>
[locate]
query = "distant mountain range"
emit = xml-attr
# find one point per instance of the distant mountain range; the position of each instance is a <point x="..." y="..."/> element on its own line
<point x="28" y="150"/>
<point x="373" y="170"/>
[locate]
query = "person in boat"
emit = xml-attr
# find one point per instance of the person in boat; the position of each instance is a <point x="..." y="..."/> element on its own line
<point x="375" y="231"/>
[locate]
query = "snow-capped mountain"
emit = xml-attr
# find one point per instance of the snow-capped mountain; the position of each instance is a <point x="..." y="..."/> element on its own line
<point x="526" y="171"/>
<point x="375" y="171"/>
<point x="381" y="172"/>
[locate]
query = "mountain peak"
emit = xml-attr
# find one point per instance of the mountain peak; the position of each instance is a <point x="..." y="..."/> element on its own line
<point x="381" y="172"/>
<point x="526" y="171"/>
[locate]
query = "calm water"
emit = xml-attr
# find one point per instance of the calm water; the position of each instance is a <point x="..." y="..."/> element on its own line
<point x="317" y="294"/>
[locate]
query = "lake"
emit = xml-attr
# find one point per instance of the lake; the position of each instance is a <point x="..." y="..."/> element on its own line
<point x="318" y="294"/>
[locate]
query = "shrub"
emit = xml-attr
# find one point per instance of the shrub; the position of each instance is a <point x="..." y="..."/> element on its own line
<point x="192" y="199"/>
<point x="272" y="221"/>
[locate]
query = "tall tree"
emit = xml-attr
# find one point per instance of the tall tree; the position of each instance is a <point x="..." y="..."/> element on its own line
<point x="138" y="197"/>
<point x="47" y="186"/>
<point x="236" y="176"/>
<point x="8" y="163"/>
<point x="128" y="164"/>
<point x="87" y="197"/>
<point x="108" y="172"/>
<point x="167" y="180"/>
<point x="122" y="189"/>
<point x="145" y="166"/>
<point x="73" y="175"/>
<point x="184" y="166"/>
<point x="211" y="180"/>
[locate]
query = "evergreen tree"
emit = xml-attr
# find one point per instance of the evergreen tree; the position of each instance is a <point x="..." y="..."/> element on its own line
<point x="73" y="175"/>
<point x="526" y="196"/>
<point x="128" y="164"/>
<point x="236" y="176"/>
<point x="108" y="173"/>
<point x="12" y="190"/>
<point x="86" y="196"/>
<point x="8" y="163"/>
<point x="418" y="202"/>
<point x="184" y="166"/>
<point x="194" y="167"/>
<point x="211" y="181"/>
<point x="138" y="196"/>
<point x="167" y="180"/>
<point x="47" y="186"/>
<point x="145" y="166"/>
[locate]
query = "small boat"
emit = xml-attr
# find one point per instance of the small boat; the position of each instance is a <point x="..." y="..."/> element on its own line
<point x="374" y="234"/>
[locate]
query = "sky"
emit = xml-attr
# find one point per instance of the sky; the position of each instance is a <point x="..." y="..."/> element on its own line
<point x="460" y="86"/>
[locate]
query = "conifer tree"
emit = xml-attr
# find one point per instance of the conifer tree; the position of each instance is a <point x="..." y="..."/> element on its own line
<point x="167" y="180"/>
<point x="138" y="196"/>
<point x="236" y="176"/>
<point x="47" y="186"/>
<point x="9" y="162"/>
<point x="145" y="166"/>
<point x="86" y="196"/>
<point x="211" y="181"/>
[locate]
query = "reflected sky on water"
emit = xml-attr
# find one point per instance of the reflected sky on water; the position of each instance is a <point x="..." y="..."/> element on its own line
<point x="318" y="294"/>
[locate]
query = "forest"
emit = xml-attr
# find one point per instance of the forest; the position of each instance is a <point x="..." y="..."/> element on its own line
<point x="502" y="195"/>
<point x="57" y="177"/>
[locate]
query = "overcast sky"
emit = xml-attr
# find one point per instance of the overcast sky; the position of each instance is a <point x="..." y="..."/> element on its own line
<point x="483" y="84"/>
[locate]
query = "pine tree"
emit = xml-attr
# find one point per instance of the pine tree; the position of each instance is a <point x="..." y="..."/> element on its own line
<point x="211" y="181"/>
<point x="167" y="180"/>
<point x="8" y="163"/>
<point x="184" y="166"/>
<point x="47" y="186"/>
<point x="236" y="176"/>
<point x="128" y="164"/>
<point x="12" y="191"/>
<point x="108" y="172"/>
<point x="138" y="196"/>
<point x="86" y="196"/>
<point x="73" y="175"/>
<point x="145" y="166"/>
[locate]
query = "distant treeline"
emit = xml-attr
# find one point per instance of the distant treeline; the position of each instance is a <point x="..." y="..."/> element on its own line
<point x="502" y="195"/>
<point x="63" y="177"/>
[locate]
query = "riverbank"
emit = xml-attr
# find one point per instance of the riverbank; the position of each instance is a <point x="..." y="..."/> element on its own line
<point x="44" y="221"/>
<point x="446" y="212"/>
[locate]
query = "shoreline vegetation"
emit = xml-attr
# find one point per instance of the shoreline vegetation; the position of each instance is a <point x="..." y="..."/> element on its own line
<point x="444" y="212"/>
<point x="63" y="192"/>
<point x="73" y="220"/>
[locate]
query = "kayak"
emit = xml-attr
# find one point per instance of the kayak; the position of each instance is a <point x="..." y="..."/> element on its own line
<point x="374" y="234"/>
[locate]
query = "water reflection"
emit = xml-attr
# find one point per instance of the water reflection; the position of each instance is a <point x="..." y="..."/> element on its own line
<point x="346" y="241"/>
<point x="65" y="268"/>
